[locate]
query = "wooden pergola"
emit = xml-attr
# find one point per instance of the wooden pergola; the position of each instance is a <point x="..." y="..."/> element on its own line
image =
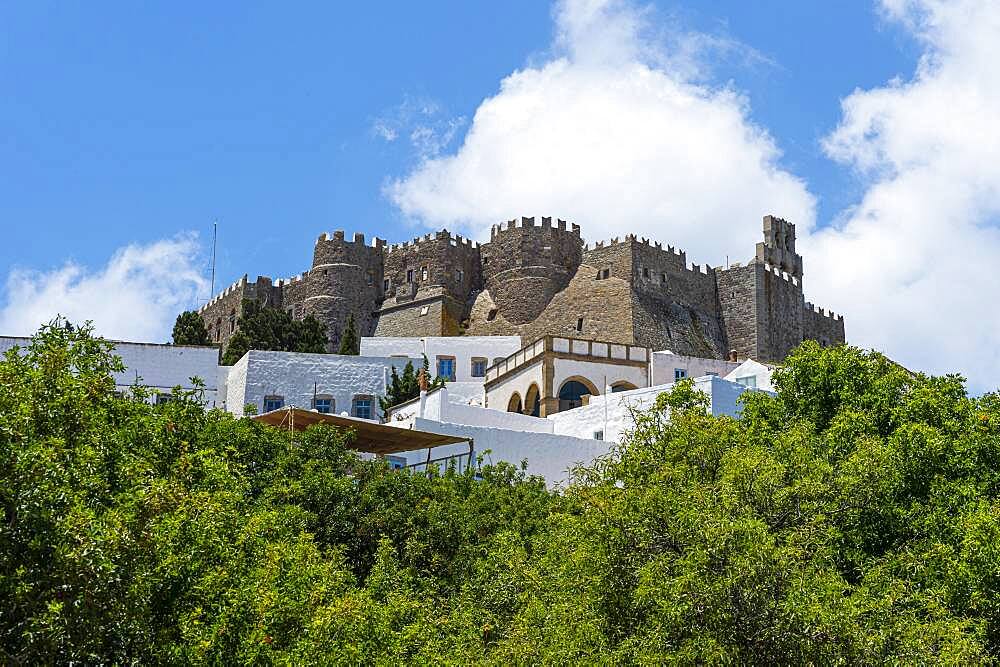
<point x="369" y="437"/>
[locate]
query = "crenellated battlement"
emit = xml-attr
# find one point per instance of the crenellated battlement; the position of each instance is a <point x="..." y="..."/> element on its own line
<point x="455" y="241"/>
<point x="358" y="239"/>
<point x="528" y="223"/>
<point x="537" y="276"/>
<point x="822" y="312"/>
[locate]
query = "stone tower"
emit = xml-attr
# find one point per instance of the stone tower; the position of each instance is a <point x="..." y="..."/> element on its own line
<point x="525" y="265"/>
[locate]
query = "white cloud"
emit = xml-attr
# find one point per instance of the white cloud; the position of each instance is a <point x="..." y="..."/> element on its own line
<point x="429" y="129"/>
<point x="135" y="297"/>
<point x="915" y="263"/>
<point x="614" y="132"/>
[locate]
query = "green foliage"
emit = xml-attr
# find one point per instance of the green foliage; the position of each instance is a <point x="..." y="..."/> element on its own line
<point x="265" y="328"/>
<point x="189" y="329"/>
<point x="853" y="518"/>
<point x="406" y="387"/>
<point x="349" y="342"/>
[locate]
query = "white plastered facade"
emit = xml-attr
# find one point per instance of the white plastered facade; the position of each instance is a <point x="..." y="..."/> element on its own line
<point x="463" y="349"/>
<point x="295" y="378"/>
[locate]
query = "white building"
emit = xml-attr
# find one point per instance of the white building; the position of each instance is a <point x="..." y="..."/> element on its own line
<point x="551" y="445"/>
<point x="669" y="367"/>
<point x="554" y="374"/>
<point x="160" y="367"/>
<point x="456" y="358"/>
<point x="329" y="383"/>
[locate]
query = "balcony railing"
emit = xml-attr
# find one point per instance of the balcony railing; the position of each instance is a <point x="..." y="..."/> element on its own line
<point x="584" y="349"/>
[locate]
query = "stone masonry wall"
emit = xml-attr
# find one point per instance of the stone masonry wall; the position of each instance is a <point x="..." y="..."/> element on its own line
<point x="536" y="278"/>
<point x="525" y="265"/>
<point x="738" y="299"/>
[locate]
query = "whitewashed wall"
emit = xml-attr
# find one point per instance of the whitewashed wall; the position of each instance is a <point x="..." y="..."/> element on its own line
<point x="161" y="367"/>
<point x="612" y="413"/>
<point x="596" y="372"/>
<point x="498" y="396"/>
<point x="760" y="372"/>
<point x="548" y="455"/>
<point x="666" y="362"/>
<point x="292" y="375"/>
<point x="439" y="406"/>
<point x="463" y="348"/>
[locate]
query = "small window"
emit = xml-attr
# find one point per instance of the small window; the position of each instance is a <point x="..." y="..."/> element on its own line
<point x="423" y="273"/>
<point x="645" y="274"/>
<point x="232" y="321"/>
<point x="161" y="399"/>
<point x="272" y="403"/>
<point x="363" y="407"/>
<point x="603" y="274"/>
<point x="369" y="278"/>
<point x="579" y="324"/>
<point x="409" y="275"/>
<point x="323" y="404"/>
<point x="396" y="462"/>
<point x="385" y="285"/>
<point x="491" y="315"/>
<point x="680" y="374"/>
<point x="478" y="367"/>
<point x="750" y="381"/>
<point x="459" y="275"/>
<point x="663" y="278"/>
<point x="598" y="435"/>
<point x="446" y="368"/>
<point x="424" y="310"/>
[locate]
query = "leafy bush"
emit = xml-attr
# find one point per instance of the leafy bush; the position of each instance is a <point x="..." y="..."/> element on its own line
<point x="852" y="518"/>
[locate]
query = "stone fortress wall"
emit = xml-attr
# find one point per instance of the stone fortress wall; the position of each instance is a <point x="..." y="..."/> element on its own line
<point x="539" y="278"/>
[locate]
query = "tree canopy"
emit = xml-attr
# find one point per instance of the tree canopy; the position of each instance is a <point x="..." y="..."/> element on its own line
<point x="406" y="387"/>
<point x="852" y="518"/>
<point x="266" y="328"/>
<point x="189" y="329"/>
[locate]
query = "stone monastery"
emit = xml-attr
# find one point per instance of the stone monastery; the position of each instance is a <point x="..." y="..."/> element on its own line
<point x="538" y="278"/>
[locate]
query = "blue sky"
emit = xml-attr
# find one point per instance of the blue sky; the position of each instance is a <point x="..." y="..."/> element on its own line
<point x="127" y="128"/>
<point x="127" y="124"/>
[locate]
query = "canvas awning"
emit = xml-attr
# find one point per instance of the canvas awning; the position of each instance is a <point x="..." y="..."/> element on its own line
<point x="369" y="436"/>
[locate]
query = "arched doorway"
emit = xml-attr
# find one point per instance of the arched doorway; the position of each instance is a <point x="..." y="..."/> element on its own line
<point x="622" y="385"/>
<point x="514" y="404"/>
<point x="572" y="391"/>
<point x="533" y="401"/>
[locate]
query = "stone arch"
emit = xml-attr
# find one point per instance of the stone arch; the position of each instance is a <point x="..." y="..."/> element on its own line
<point x="514" y="404"/>
<point x="572" y="390"/>
<point x="533" y="401"/>
<point x="622" y="385"/>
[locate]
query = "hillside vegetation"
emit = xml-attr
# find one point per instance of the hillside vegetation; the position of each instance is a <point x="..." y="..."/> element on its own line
<point x="853" y="518"/>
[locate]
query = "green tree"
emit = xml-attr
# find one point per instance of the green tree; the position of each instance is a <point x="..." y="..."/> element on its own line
<point x="349" y="343"/>
<point x="407" y="387"/>
<point x="189" y="329"/>
<point x="266" y="328"/>
<point x="852" y="518"/>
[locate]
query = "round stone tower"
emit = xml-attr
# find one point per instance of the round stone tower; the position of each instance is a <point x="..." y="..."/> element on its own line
<point x="525" y="265"/>
<point x="345" y="279"/>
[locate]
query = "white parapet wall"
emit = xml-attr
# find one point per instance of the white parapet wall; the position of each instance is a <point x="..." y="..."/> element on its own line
<point x="296" y="378"/>
<point x="462" y="349"/>
<point x="611" y="415"/>
<point x="158" y="366"/>
<point x="548" y="455"/>
<point x="439" y="405"/>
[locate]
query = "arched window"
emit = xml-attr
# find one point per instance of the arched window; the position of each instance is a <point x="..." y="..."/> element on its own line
<point x="572" y="391"/>
<point x="514" y="404"/>
<point x="533" y="401"/>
